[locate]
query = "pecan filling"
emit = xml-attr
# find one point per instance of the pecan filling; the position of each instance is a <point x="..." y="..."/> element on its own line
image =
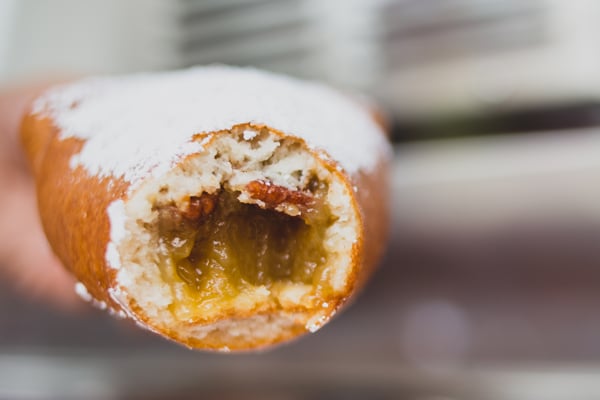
<point x="220" y="248"/>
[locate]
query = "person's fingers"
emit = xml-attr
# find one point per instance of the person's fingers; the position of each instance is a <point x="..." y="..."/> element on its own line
<point x="29" y="262"/>
<point x="26" y="260"/>
<point x="13" y="104"/>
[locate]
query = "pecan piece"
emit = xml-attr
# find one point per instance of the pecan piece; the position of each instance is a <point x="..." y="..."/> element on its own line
<point x="274" y="195"/>
<point x="200" y="206"/>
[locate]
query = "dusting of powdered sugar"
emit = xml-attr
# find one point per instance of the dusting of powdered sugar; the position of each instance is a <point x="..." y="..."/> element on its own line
<point x="82" y="292"/>
<point x="249" y="134"/>
<point x="139" y="124"/>
<point x="117" y="217"/>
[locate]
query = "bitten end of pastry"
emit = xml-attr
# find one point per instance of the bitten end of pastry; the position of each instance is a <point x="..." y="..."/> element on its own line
<point x="248" y="242"/>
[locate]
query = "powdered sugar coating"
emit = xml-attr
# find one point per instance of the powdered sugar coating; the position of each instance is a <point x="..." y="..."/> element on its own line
<point x="117" y="217"/>
<point x="82" y="292"/>
<point x="139" y="124"/>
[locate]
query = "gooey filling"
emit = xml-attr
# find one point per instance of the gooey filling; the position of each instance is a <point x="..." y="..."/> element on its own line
<point x="221" y="248"/>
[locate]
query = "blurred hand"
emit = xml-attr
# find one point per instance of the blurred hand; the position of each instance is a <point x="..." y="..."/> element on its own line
<point x="26" y="261"/>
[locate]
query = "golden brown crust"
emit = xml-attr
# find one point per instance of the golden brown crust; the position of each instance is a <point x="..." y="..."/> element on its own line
<point x="73" y="204"/>
<point x="373" y="199"/>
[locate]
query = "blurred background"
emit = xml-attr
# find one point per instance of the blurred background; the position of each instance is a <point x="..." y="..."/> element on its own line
<point x="491" y="286"/>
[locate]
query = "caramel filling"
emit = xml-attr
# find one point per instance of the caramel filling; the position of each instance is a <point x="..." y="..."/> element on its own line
<point x="221" y="248"/>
